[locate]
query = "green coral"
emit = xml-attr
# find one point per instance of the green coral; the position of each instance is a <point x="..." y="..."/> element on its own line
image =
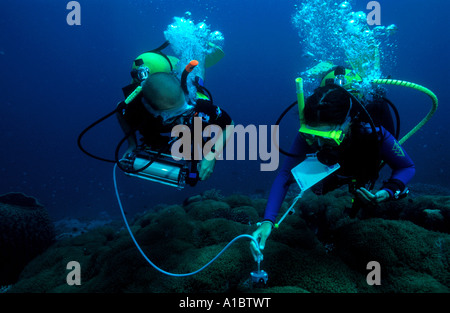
<point x="399" y="246"/>
<point x="182" y="239"/>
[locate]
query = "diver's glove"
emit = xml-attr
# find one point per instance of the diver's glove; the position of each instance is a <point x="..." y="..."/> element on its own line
<point x="261" y="235"/>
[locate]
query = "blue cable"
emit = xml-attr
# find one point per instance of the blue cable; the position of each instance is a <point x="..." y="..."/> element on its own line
<point x="145" y="256"/>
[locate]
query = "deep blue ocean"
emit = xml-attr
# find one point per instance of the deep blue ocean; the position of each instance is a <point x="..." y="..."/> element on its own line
<point x="57" y="79"/>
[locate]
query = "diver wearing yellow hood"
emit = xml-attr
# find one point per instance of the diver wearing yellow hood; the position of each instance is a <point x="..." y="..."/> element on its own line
<point x="160" y="102"/>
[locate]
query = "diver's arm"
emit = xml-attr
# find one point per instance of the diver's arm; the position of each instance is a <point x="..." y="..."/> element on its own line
<point x="220" y="119"/>
<point x="284" y="178"/>
<point x="206" y="166"/>
<point x="222" y="140"/>
<point x="402" y="166"/>
<point x="277" y="194"/>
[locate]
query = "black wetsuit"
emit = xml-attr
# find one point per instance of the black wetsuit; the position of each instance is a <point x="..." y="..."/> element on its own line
<point x="155" y="134"/>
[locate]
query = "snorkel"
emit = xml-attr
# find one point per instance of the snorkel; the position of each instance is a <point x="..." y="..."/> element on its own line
<point x="188" y="69"/>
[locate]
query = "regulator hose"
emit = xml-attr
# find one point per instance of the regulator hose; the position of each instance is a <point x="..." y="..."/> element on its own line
<point x="417" y="87"/>
<point x="149" y="261"/>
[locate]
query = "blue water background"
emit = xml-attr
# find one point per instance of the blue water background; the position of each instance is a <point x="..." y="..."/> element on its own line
<point x="57" y="79"/>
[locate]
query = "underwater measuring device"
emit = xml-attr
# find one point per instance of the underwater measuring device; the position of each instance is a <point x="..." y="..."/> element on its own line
<point x="259" y="278"/>
<point x="158" y="167"/>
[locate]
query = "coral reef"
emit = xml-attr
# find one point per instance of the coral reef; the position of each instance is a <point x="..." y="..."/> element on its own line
<point x="413" y="258"/>
<point x="213" y="194"/>
<point x="72" y="227"/>
<point x="318" y="249"/>
<point x="25" y="232"/>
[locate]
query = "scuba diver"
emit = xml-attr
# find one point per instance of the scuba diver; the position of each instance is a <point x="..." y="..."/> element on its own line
<point x="338" y="129"/>
<point x="164" y="103"/>
<point x="155" y="102"/>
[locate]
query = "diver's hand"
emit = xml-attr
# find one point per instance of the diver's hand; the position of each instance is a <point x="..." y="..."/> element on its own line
<point x="261" y="235"/>
<point x="366" y="195"/>
<point x="206" y="167"/>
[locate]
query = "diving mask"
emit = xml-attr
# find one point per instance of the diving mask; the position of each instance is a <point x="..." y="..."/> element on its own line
<point x="329" y="135"/>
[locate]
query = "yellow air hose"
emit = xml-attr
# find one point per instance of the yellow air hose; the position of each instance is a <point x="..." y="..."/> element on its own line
<point x="420" y="88"/>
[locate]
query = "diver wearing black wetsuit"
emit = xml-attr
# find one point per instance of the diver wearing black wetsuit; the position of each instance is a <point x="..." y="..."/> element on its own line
<point x="156" y="133"/>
